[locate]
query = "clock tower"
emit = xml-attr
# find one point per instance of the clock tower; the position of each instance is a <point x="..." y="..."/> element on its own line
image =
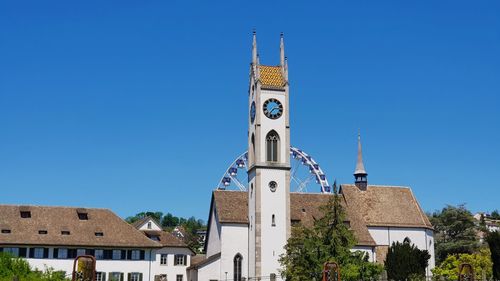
<point x="268" y="165"/>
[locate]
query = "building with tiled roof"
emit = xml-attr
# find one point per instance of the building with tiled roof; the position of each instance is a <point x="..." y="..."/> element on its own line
<point x="55" y="236"/>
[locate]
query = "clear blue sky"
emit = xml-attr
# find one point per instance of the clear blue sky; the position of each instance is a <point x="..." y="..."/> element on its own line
<point x="141" y="105"/>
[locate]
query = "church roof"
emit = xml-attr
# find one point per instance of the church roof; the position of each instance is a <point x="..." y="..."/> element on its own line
<point x="232" y="207"/>
<point x="271" y="76"/>
<point x="386" y="206"/>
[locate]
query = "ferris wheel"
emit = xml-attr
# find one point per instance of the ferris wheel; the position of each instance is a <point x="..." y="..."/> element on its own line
<point x="305" y="175"/>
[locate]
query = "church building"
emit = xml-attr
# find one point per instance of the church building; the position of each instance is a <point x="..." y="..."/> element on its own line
<point x="247" y="230"/>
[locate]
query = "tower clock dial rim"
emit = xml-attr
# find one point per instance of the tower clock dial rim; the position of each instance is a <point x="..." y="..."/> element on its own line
<point x="273" y="108"/>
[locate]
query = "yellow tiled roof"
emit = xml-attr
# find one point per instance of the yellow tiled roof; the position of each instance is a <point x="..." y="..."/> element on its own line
<point x="271" y="76"/>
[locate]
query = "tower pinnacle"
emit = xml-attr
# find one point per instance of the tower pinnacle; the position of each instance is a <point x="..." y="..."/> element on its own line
<point x="282" y="50"/>
<point x="360" y="174"/>
<point x="254" y="48"/>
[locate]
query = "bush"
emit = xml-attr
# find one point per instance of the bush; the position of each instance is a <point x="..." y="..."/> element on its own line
<point x="480" y="261"/>
<point x="493" y="239"/>
<point x="406" y="261"/>
<point x="11" y="267"/>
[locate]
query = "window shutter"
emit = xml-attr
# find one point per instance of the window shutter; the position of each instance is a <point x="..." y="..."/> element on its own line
<point x="45" y="253"/>
<point x="90" y="252"/>
<point x="22" y="252"/>
<point x="140" y="276"/>
<point x="129" y="276"/>
<point x="129" y="254"/>
<point x="121" y="276"/>
<point x="71" y="253"/>
<point x="103" y="276"/>
<point x="1" y="250"/>
<point x="55" y="253"/>
<point x="107" y="254"/>
<point x="142" y="255"/>
<point x="124" y="254"/>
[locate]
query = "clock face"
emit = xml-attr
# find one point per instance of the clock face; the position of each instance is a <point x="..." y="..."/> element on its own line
<point x="252" y="112"/>
<point x="273" y="185"/>
<point x="273" y="108"/>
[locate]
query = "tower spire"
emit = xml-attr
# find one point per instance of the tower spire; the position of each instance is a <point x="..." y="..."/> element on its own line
<point x="360" y="174"/>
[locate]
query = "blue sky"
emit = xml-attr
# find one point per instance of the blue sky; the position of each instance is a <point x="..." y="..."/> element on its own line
<point x="142" y="105"/>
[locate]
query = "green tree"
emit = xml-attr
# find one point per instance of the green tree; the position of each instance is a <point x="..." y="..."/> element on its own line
<point x="493" y="239"/>
<point x="329" y="239"/>
<point x="455" y="231"/>
<point x="169" y="221"/>
<point x="406" y="261"/>
<point x="495" y="215"/>
<point x="155" y="215"/>
<point x="480" y="261"/>
<point x="11" y="267"/>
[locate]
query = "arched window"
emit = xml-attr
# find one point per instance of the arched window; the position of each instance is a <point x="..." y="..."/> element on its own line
<point x="272" y="146"/>
<point x="237" y="267"/>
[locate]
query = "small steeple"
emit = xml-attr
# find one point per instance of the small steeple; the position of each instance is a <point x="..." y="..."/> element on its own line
<point x="360" y="174"/>
<point x="254" y="48"/>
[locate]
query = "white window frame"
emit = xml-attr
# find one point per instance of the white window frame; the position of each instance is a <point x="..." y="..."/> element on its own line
<point x="12" y="250"/>
<point x="38" y="253"/>
<point x="163" y="259"/>
<point x="62" y="253"/>
<point x="180" y="260"/>
<point x="135" y="254"/>
<point x="135" y="276"/>
<point x="99" y="275"/>
<point x="112" y="277"/>
<point x="99" y="254"/>
<point x="116" y="255"/>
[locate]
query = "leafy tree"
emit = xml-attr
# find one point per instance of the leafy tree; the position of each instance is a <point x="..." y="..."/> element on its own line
<point x="480" y="261"/>
<point x="11" y="267"/>
<point x="156" y="215"/>
<point x="169" y="221"/>
<point x="329" y="239"/>
<point x="495" y="215"/>
<point x="493" y="239"/>
<point x="406" y="261"/>
<point x="455" y="231"/>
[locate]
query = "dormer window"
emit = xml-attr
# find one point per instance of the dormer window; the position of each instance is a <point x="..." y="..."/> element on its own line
<point x="65" y="232"/>
<point x="42" y="232"/>
<point x="6" y="231"/>
<point x="25" y="214"/>
<point x="83" y="216"/>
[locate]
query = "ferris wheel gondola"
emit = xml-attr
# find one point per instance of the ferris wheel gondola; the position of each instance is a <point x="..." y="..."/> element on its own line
<point x="305" y="173"/>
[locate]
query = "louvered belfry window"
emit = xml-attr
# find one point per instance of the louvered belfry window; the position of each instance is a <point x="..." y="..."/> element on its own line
<point x="272" y="146"/>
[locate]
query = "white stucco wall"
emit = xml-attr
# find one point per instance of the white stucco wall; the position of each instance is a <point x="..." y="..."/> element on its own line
<point x="235" y="237"/>
<point x="210" y="271"/>
<point x="214" y="238"/>
<point x="421" y="237"/>
<point x="149" y="267"/>
<point x="154" y="226"/>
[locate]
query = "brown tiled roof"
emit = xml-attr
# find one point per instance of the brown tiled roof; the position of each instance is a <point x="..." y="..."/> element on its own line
<point x="386" y="206"/>
<point x="25" y="231"/>
<point x="201" y="260"/>
<point x="166" y="239"/>
<point x="271" y="76"/>
<point x="232" y="207"/>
